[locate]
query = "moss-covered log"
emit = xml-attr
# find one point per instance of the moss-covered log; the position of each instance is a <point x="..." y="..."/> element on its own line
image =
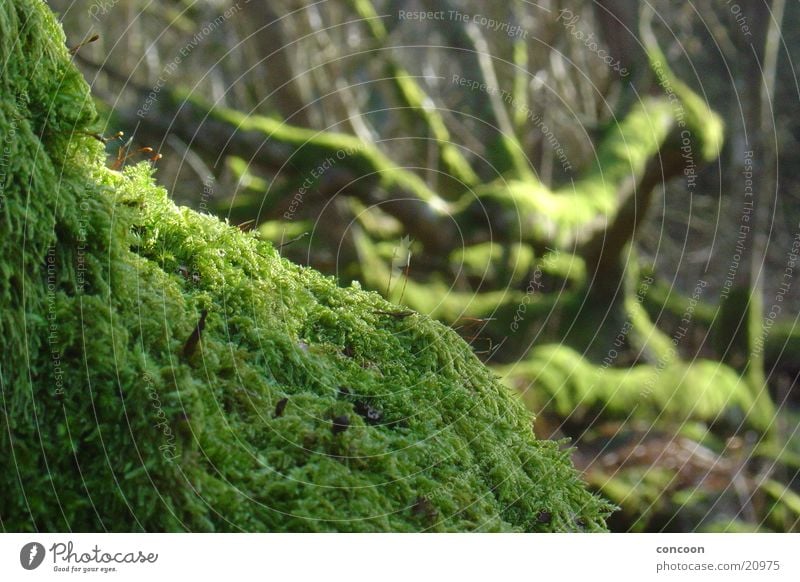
<point x="559" y="379"/>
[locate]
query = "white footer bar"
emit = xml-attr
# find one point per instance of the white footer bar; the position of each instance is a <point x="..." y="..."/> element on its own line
<point x="351" y="558"/>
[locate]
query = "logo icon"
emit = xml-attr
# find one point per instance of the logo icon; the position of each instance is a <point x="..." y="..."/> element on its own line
<point x="31" y="555"/>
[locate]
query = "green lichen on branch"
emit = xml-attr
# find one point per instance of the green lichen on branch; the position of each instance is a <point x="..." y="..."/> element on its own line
<point x="163" y="371"/>
<point x="558" y="378"/>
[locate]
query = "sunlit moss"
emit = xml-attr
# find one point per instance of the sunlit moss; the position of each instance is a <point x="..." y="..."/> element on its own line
<point x="556" y="378"/>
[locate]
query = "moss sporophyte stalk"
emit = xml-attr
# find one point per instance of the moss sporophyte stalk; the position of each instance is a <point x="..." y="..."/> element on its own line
<point x="257" y="396"/>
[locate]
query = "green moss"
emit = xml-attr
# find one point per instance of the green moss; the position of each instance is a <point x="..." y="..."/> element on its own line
<point x="438" y="299"/>
<point x="559" y="379"/>
<point x="568" y="214"/>
<point x="642" y="492"/>
<point x="163" y="371"/>
<point x="705" y="127"/>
